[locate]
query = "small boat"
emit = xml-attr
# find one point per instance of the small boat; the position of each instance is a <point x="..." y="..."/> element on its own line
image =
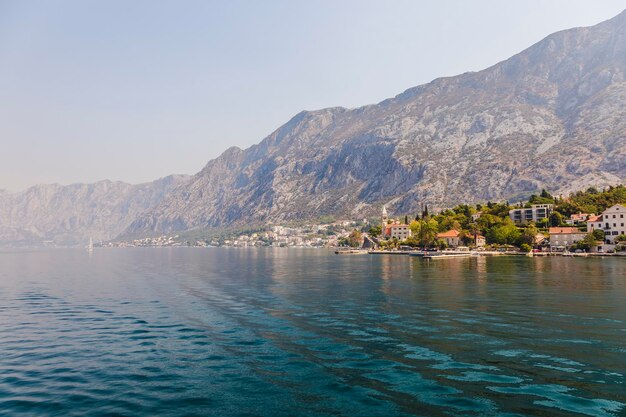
<point x="442" y="255"/>
<point x="351" y="251"/>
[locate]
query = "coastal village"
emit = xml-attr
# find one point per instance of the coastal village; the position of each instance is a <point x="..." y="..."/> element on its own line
<point x="585" y="233"/>
<point x="331" y="234"/>
<point x="542" y="225"/>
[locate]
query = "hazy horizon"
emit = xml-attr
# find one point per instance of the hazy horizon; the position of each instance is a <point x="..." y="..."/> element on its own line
<point x="135" y="92"/>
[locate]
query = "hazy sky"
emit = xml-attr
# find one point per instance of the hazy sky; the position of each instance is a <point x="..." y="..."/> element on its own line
<point x="136" y="90"/>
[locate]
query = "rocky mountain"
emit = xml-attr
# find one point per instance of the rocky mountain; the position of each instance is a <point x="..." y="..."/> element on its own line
<point x="552" y="116"/>
<point x="70" y="215"/>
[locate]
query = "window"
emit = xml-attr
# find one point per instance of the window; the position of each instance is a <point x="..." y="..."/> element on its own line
<point x="614" y="233"/>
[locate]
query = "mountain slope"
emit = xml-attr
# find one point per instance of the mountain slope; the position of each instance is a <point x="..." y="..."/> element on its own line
<point x="552" y="116"/>
<point x="70" y="215"/>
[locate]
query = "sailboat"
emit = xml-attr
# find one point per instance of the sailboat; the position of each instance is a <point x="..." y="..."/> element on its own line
<point x="90" y="246"/>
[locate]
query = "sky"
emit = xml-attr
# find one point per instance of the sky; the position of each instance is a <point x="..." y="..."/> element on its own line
<point x="137" y="90"/>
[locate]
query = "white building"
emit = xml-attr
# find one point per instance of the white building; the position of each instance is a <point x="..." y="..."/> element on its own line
<point x="393" y="228"/>
<point x="399" y="231"/>
<point x="612" y="222"/>
<point x="534" y="213"/>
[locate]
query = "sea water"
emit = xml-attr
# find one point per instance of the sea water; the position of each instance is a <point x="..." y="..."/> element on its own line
<point x="304" y="332"/>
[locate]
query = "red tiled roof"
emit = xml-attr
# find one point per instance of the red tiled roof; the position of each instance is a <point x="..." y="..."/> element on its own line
<point x="597" y="218"/>
<point x="449" y="233"/>
<point x="563" y="230"/>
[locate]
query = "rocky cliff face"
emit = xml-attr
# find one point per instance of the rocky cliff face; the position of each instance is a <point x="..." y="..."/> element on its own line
<point x="553" y="116"/>
<point x="70" y="215"/>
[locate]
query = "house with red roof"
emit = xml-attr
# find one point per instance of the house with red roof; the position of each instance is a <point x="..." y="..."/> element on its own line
<point x="564" y="237"/>
<point x="578" y="218"/>
<point x="451" y="238"/>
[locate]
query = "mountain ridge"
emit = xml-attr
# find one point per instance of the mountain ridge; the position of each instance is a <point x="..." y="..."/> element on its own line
<point x="516" y="120"/>
<point x="551" y="116"/>
<point x="69" y="215"/>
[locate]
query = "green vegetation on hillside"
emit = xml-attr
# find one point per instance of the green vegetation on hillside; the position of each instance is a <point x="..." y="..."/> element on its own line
<point x="592" y="200"/>
<point x="492" y="221"/>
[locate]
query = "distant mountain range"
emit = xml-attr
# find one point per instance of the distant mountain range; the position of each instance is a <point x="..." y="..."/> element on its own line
<point x="72" y="214"/>
<point x="552" y="116"/>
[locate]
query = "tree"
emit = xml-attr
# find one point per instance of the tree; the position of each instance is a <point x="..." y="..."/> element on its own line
<point x="543" y="223"/>
<point x="448" y="223"/>
<point x="505" y="234"/>
<point x="587" y="243"/>
<point x="375" y="231"/>
<point x="556" y="219"/>
<point x="543" y="198"/>
<point x="406" y="219"/>
<point x="467" y="237"/>
<point x="424" y="232"/>
<point x="525" y="247"/>
<point x="598" y="234"/>
<point x="499" y="209"/>
<point x="592" y="200"/>
<point x="355" y="238"/>
<point x="425" y="212"/>
<point x="464" y="209"/>
<point x="529" y="234"/>
<point x="472" y="231"/>
<point x="487" y="221"/>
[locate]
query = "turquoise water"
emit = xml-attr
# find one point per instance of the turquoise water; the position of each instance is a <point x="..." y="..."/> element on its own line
<point x="302" y="332"/>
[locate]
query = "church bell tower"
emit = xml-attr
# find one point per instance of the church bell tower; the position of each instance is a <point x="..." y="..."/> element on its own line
<point x="383" y="220"/>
